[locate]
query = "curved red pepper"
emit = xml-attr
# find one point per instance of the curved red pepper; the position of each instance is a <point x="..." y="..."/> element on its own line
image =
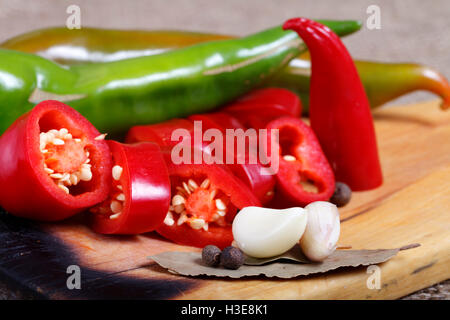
<point x="26" y="189"/>
<point x="304" y="174"/>
<point x="143" y="198"/>
<point x="200" y="204"/>
<point x="257" y="108"/>
<point x="339" y="110"/>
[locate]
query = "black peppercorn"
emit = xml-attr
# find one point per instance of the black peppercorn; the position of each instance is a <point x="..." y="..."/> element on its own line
<point x="211" y="255"/>
<point x="342" y="194"/>
<point x="232" y="258"/>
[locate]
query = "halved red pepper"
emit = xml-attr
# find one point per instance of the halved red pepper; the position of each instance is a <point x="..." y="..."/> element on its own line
<point x="257" y="108"/>
<point x="140" y="192"/>
<point x="339" y="109"/>
<point x="205" y="200"/>
<point x="53" y="164"/>
<point x="304" y="174"/>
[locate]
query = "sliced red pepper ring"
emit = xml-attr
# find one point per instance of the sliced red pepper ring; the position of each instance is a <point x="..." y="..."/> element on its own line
<point x="304" y="174"/>
<point x="140" y="192"/>
<point x="53" y="164"/>
<point x="205" y="200"/>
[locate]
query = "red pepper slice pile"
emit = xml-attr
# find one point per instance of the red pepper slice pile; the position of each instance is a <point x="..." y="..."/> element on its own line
<point x="309" y="178"/>
<point x="127" y="186"/>
<point x="339" y="110"/>
<point x="53" y="164"/>
<point x="140" y="193"/>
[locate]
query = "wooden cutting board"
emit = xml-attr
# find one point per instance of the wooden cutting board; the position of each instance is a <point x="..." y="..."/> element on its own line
<point x="412" y="206"/>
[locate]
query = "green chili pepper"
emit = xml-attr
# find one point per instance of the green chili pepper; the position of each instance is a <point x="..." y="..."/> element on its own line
<point x="90" y="45"/>
<point x="382" y="81"/>
<point x="116" y="95"/>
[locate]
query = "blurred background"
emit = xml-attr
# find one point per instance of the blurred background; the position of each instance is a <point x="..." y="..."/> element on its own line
<point x="411" y="30"/>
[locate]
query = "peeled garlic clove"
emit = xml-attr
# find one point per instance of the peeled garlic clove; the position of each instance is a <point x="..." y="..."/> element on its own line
<point x="262" y="232"/>
<point x="322" y="232"/>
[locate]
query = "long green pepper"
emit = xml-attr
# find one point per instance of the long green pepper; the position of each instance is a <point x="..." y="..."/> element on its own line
<point x="119" y="94"/>
<point x="382" y="81"/>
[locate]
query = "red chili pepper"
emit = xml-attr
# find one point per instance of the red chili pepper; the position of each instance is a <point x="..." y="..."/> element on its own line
<point x="53" y="164"/>
<point x="205" y="200"/>
<point x="140" y="193"/>
<point x="257" y="108"/>
<point x="339" y="110"/>
<point x="304" y="174"/>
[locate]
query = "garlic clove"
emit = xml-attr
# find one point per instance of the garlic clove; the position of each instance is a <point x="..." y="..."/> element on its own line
<point x="322" y="232"/>
<point x="262" y="232"/>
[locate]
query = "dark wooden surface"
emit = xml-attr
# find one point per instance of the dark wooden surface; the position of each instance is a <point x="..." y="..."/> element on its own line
<point x="33" y="264"/>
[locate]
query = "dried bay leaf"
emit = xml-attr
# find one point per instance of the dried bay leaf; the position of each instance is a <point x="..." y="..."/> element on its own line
<point x="293" y="255"/>
<point x="190" y="264"/>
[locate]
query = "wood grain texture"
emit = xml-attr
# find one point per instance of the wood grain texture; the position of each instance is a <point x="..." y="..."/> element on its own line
<point x="413" y="205"/>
